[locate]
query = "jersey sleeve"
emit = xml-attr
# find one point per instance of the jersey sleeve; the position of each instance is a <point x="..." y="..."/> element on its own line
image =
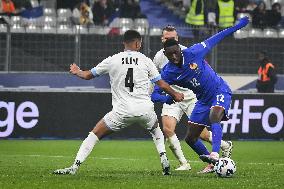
<point x="102" y="68"/>
<point x="156" y="60"/>
<point x="159" y="60"/>
<point x="199" y="50"/>
<point x="154" y="74"/>
<point x="159" y="96"/>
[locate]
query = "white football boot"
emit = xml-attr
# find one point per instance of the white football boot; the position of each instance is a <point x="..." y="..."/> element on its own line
<point x="66" y="171"/>
<point x="184" y="167"/>
<point x="227" y="151"/>
<point x="166" y="166"/>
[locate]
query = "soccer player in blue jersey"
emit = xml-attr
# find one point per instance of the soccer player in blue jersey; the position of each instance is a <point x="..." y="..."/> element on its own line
<point x="187" y="68"/>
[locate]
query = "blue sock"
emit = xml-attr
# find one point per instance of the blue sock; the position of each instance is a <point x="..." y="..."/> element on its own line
<point x="199" y="148"/>
<point x="216" y="137"/>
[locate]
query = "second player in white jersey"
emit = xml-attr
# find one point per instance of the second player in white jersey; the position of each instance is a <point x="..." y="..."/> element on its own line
<point x="129" y="73"/>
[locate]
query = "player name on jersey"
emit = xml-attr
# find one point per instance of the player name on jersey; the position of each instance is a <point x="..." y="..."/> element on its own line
<point x="129" y="60"/>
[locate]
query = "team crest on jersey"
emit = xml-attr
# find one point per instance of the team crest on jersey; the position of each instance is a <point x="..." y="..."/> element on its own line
<point x="193" y="66"/>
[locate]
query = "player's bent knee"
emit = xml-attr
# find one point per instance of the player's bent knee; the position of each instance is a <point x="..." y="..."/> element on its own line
<point x="101" y="130"/>
<point x="168" y="131"/>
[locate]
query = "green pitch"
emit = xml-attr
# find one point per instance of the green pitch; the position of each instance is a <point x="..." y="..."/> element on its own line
<point x="132" y="164"/>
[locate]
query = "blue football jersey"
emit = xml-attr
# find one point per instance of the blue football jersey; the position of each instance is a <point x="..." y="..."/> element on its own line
<point x="195" y="73"/>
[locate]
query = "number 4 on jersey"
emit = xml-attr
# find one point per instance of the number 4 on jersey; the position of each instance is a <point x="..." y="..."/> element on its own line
<point x="129" y="79"/>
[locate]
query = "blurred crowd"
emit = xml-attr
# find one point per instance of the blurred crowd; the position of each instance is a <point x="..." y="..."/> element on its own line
<point x="99" y="12"/>
<point x="14" y="7"/>
<point x="223" y="13"/>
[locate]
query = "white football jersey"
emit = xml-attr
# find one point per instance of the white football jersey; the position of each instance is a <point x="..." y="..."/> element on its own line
<point x="160" y="60"/>
<point x="130" y="73"/>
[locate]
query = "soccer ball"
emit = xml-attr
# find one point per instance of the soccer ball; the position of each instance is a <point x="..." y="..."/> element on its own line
<point x="225" y="167"/>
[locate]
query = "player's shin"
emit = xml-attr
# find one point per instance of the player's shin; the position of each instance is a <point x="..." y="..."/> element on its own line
<point x="159" y="142"/>
<point x="224" y="144"/>
<point x="174" y="145"/>
<point x="85" y="149"/>
<point x="216" y="137"/>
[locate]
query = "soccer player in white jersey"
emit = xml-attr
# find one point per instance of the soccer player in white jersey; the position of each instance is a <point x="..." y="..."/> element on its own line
<point x="130" y="72"/>
<point x="171" y="114"/>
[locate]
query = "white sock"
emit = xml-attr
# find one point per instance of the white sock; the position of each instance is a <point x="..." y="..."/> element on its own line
<point x="159" y="142"/>
<point x="174" y="145"/>
<point x="224" y="144"/>
<point x="210" y="136"/>
<point x="85" y="149"/>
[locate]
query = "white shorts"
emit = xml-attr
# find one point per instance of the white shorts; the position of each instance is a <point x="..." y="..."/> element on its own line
<point x="177" y="109"/>
<point x="116" y="121"/>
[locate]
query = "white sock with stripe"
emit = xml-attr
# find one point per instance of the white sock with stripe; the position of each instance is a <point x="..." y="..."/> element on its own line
<point x="174" y="145"/>
<point x="159" y="142"/>
<point x="85" y="149"/>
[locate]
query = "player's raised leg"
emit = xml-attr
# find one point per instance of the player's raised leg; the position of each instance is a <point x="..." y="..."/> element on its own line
<point x="99" y="131"/>
<point x="169" y="125"/>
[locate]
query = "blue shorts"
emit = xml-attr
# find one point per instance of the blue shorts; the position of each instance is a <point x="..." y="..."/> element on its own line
<point x="200" y="113"/>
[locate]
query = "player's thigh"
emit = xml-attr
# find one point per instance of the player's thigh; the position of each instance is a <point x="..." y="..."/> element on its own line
<point x="200" y="114"/>
<point x="149" y="120"/>
<point x="114" y="121"/>
<point x="220" y="106"/>
<point x="188" y="105"/>
<point x="173" y="110"/>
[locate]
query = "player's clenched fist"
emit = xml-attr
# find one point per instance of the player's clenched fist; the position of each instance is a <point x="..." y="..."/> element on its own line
<point x="178" y="97"/>
<point x="74" y="69"/>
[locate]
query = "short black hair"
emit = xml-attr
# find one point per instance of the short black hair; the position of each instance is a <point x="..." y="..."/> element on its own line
<point x="169" y="28"/>
<point x="170" y="42"/>
<point x="131" y="35"/>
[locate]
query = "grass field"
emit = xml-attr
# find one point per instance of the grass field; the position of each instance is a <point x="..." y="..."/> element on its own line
<point x="132" y="164"/>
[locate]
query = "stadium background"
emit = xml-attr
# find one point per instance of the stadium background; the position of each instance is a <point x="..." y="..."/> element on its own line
<point x="43" y="107"/>
<point x="36" y="53"/>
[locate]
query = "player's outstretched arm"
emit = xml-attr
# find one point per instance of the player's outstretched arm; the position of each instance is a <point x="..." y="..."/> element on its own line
<point x="215" y="39"/>
<point x="178" y="97"/>
<point x="75" y="70"/>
